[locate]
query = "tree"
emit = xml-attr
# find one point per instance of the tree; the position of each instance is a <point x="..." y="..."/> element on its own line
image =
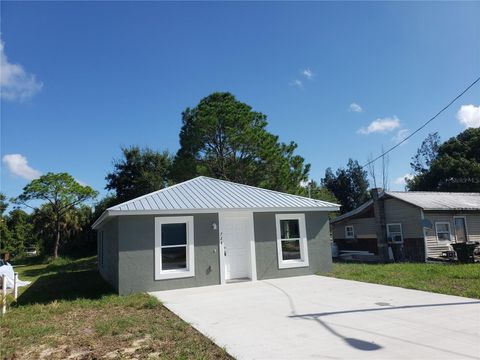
<point x="456" y="167"/>
<point x="62" y="193"/>
<point x="139" y="172"/>
<point x="426" y="153"/>
<point x="21" y="230"/>
<point x="224" y="138"/>
<point x="383" y="170"/>
<point x="3" y="203"/>
<point x="315" y="191"/>
<point x="5" y="235"/>
<point x="349" y="186"/>
<point x="103" y="204"/>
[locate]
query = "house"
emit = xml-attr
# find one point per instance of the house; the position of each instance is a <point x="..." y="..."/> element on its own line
<point x="206" y="232"/>
<point x="416" y="225"/>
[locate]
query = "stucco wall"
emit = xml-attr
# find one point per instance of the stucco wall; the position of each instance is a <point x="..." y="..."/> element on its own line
<point x="109" y="266"/>
<point x="319" y="248"/>
<point x="136" y="255"/>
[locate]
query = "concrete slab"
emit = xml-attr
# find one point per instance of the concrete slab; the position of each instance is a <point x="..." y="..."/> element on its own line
<point x="311" y="317"/>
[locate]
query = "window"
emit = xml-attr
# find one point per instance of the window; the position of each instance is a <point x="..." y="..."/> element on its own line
<point x="291" y="241"/>
<point x="443" y="231"/>
<point x="460" y="226"/>
<point x="394" y="233"/>
<point x="349" y="232"/>
<point x="174" y="251"/>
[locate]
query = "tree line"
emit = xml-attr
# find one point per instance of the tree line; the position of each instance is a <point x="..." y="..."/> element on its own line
<point x="223" y="138"/>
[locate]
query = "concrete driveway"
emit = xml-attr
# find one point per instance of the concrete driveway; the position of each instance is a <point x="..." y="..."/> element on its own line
<point x="319" y="317"/>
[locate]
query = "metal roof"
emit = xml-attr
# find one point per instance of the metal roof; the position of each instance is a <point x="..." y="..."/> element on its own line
<point x="203" y="194"/>
<point x="429" y="200"/>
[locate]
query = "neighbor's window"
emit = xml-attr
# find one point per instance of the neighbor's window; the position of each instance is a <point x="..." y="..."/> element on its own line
<point x="443" y="231"/>
<point x="291" y="240"/>
<point x="394" y="233"/>
<point x="349" y="232"/>
<point x="174" y="251"/>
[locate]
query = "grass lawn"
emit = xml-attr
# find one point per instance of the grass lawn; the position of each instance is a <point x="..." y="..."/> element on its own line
<point x="70" y="312"/>
<point x="452" y="279"/>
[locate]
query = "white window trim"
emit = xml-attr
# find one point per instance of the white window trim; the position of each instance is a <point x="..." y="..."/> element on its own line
<point x="449" y="231"/>
<point x="303" y="262"/>
<point x="401" y="232"/>
<point x="466" y="226"/>
<point x="174" y="274"/>
<point x="346" y="232"/>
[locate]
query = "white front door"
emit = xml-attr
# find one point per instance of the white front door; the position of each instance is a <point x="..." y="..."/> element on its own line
<point x="235" y="236"/>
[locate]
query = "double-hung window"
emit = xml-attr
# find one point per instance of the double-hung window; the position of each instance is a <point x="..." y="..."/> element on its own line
<point x="292" y="249"/>
<point x="349" y="232"/>
<point x="174" y="248"/>
<point x="443" y="231"/>
<point x="394" y="233"/>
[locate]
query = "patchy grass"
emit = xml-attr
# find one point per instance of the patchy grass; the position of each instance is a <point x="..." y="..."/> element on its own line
<point x="70" y="312"/>
<point x="451" y="279"/>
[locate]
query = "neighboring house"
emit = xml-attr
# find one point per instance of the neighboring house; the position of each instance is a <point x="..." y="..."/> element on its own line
<point x="206" y="232"/>
<point x="417" y="225"/>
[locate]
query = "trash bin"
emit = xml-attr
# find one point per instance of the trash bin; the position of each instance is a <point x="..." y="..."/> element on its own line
<point x="465" y="251"/>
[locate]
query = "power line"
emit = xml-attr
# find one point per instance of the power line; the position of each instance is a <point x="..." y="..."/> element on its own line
<point x="425" y="124"/>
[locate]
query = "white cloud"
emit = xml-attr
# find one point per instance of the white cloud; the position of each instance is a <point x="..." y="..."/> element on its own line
<point x="297" y="83"/>
<point x="18" y="165"/>
<point x="308" y="74"/>
<point x="469" y="116"/>
<point x="354" y="107"/>
<point x="401" y="135"/>
<point x="401" y="180"/>
<point x="15" y="83"/>
<point x="381" y="126"/>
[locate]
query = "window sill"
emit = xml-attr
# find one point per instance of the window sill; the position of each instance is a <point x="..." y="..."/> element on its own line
<point x="176" y="274"/>
<point x="292" y="264"/>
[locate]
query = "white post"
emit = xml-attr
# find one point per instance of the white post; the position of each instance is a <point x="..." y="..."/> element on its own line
<point x="15" y="286"/>
<point x="4" y="294"/>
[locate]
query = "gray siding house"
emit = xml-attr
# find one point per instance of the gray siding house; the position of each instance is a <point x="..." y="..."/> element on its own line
<point x="206" y="232"/>
<point x="417" y="225"/>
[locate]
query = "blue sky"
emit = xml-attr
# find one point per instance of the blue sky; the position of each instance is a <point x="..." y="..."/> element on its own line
<point x="81" y="79"/>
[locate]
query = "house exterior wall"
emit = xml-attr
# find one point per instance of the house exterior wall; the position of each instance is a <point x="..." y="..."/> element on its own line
<point x="107" y="251"/>
<point x="434" y="247"/>
<point x="137" y="256"/>
<point x="129" y="257"/>
<point x="363" y="227"/>
<point x="318" y="239"/>
<point x="410" y="216"/>
<point x="396" y="211"/>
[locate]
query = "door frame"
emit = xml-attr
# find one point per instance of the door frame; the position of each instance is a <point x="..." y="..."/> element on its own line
<point x="250" y="246"/>
<point x="466" y="228"/>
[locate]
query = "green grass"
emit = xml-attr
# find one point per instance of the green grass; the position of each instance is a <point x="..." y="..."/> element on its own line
<point x="451" y="279"/>
<point x="69" y="310"/>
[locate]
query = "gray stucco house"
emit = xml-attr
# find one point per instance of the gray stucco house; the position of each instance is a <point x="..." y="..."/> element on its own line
<point x="207" y="231"/>
<point x="415" y="225"/>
